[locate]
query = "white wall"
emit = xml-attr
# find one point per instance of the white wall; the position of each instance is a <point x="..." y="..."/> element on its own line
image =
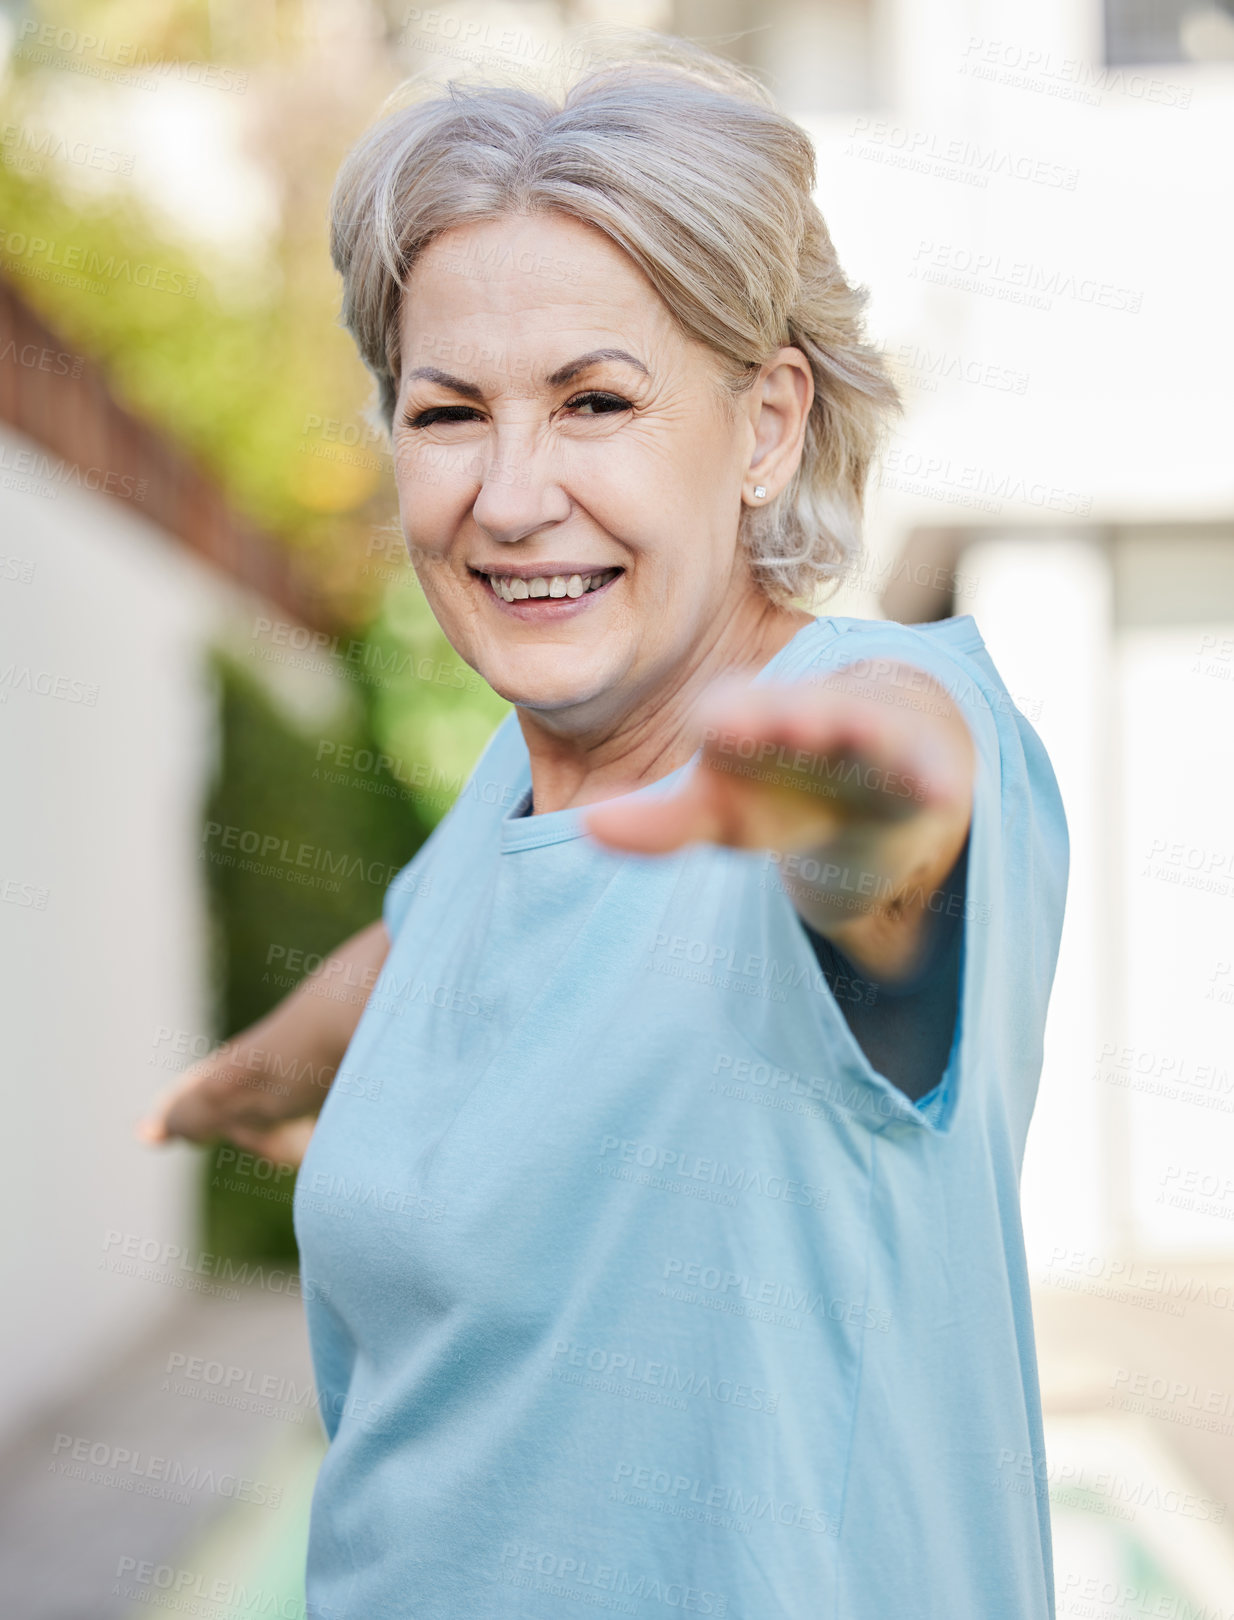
<point x="102" y="932"/>
<point x="1122" y="654"/>
<point x="1047" y="249"/>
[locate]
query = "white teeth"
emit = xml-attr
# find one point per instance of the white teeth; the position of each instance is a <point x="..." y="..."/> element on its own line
<point x="511" y="589"/>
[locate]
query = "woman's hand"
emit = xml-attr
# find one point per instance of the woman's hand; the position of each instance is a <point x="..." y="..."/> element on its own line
<point x="264" y="1089"/>
<point x="227" y="1096"/>
<point x="869" y="774"/>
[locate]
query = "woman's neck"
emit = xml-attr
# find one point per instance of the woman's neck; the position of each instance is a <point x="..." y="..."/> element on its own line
<point x="658" y="732"/>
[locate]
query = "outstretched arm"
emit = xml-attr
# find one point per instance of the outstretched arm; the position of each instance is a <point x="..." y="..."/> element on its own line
<point x="264" y="1088"/>
<point x="863" y="780"/>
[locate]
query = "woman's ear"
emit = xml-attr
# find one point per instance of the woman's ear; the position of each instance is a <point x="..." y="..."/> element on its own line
<point x="780" y="402"/>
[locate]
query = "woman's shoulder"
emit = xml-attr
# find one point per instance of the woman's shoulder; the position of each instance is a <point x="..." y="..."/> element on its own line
<point x="956" y="634"/>
<point x="828" y="643"/>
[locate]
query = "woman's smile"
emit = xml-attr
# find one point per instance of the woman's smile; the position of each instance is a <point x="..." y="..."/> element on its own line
<point x="540" y="591"/>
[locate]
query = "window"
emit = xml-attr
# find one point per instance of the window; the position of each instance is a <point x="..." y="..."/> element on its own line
<point x="816" y="56"/>
<point x="1163" y="31"/>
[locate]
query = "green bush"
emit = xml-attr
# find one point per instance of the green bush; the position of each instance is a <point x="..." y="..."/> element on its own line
<point x="270" y="782"/>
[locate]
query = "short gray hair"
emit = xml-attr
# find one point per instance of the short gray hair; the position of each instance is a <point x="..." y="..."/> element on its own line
<point x="682" y="160"/>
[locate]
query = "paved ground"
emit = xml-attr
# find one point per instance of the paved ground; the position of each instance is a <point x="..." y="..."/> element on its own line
<point x="1138" y="1391"/>
<point x="189" y="1462"/>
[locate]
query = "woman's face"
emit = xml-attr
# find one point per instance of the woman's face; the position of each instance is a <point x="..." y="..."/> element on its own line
<point x="555" y="432"/>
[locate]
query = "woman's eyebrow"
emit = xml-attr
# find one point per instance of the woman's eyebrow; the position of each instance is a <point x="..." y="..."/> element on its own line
<point x="572" y="367"/>
<point x="456" y="385"/>
<point x="557" y="379"/>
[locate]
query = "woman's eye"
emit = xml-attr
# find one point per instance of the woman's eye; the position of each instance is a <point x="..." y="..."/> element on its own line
<point x="592" y="403"/>
<point x="439" y="413"/>
<point x="601" y="404"/>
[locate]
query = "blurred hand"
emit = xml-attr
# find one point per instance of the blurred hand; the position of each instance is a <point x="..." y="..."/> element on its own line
<point x="264" y="1089"/>
<point x="792" y="767"/>
<point x="870" y="774"/>
<point x="220" y="1097"/>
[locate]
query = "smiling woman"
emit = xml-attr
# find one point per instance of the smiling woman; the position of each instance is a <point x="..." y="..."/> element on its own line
<point x="660" y="1229"/>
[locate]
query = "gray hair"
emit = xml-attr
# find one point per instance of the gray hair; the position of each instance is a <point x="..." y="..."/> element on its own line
<point x="682" y="160"/>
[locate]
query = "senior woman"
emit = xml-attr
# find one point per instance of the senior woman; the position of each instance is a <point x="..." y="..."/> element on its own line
<point x="660" y="1229"/>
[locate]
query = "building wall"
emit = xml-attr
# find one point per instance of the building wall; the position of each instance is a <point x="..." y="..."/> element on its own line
<point x="1119" y="646"/>
<point x="106" y="740"/>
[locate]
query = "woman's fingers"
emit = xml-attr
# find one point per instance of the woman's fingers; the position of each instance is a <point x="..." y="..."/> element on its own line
<point x="284" y="1144"/>
<point x="200" y="1112"/>
<point x="786" y="768"/>
<point x="206" y="1102"/>
<point x="655" y="826"/>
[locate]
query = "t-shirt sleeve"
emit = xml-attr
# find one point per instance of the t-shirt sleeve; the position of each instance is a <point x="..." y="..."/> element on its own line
<point x="1016" y="874"/>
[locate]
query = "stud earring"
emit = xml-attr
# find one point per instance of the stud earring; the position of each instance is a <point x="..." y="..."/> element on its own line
<point x="759" y="491"/>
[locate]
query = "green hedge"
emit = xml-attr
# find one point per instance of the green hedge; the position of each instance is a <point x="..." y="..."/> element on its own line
<point x="271" y="783"/>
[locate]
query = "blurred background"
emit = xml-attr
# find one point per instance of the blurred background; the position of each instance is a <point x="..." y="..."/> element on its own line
<point x="215" y="657"/>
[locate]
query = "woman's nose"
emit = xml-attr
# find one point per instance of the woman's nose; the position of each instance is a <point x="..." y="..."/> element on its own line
<point x="519" y="492"/>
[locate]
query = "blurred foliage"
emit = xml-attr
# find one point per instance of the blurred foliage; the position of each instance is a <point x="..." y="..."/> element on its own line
<point x="272" y="783"/>
<point x="429" y="708"/>
<point x="422" y="717"/>
<point x="250" y="371"/>
<point x="245" y="367"/>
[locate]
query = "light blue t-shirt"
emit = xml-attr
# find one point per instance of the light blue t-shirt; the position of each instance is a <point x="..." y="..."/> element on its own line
<point x="632" y="1288"/>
